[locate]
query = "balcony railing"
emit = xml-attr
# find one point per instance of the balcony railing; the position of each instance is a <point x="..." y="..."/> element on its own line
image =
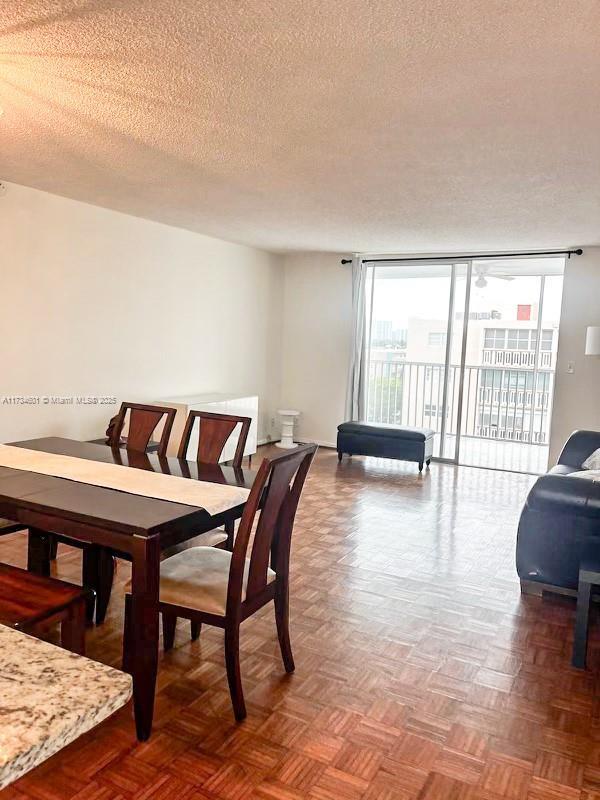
<point x="516" y="358"/>
<point x="498" y="402"/>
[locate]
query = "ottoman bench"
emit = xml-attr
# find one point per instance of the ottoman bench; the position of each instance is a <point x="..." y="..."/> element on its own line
<point x="385" y="441"/>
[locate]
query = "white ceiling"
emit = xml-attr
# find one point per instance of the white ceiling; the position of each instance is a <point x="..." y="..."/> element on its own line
<point x="368" y="125"/>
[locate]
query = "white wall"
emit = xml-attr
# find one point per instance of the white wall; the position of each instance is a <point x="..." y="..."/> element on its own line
<point x="316" y="342"/>
<point x="100" y="303"/>
<point x="94" y="302"/>
<point x="577" y="395"/>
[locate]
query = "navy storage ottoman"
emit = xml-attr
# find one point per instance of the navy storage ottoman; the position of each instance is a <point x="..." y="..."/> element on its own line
<point x="386" y="441"/>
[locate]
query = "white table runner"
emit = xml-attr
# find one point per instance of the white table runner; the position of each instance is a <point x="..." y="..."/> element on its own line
<point x="214" y="497"/>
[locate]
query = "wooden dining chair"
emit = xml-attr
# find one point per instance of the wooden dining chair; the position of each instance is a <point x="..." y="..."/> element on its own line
<point x="214" y="431"/>
<point x="99" y="564"/>
<point x="222" y="588"/>
<point x="143" y="421"/>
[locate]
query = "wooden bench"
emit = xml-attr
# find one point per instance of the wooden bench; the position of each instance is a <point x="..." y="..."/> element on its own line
<point x="29" y="601"/>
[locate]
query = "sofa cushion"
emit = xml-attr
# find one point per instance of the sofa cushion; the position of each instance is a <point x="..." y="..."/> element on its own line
<point x="593" y="461"/>
<point x="408" y="433"/>
<point x="587" y="474"/>
<point x="562" y="469"/>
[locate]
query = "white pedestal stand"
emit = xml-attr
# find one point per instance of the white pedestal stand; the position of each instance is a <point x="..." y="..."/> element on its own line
<point x="288" y="417"/>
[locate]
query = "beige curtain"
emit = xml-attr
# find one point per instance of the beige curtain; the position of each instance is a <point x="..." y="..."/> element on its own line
<point x="355" y="394"/>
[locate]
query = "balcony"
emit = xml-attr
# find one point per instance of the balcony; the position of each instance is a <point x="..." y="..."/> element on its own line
<point x="505" y="417"/>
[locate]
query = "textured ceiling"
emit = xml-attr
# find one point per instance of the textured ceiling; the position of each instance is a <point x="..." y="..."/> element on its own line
<point x="370" y="125"/>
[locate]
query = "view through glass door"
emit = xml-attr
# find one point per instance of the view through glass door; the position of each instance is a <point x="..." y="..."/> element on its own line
<point x="468" y="349"/>
<point x="410" y="324"/>
<point x="510" y="362"/>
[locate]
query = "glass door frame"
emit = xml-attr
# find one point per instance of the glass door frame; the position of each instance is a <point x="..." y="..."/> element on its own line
<point x="463" y="262"/>
<point x="466" y="265"/>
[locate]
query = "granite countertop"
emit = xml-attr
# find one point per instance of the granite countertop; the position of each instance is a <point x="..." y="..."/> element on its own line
<point x="49" y="697"/>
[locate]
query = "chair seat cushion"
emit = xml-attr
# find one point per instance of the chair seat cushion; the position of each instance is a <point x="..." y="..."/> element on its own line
<point x="211" y="538"/>
<point x="408" y="433"/>
<point x="197" y="578"/>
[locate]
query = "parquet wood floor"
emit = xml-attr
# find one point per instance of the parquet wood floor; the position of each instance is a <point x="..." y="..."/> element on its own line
<point x="422" y="674"/>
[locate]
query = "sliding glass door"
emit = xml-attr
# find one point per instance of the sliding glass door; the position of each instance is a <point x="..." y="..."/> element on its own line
<point x="468" y="349"/>
<point x="411" y="333"/>
<point x="510" y="360"/>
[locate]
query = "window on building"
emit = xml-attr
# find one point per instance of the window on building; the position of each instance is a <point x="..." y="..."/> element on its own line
<point x="518" y="339"/>
<point x="436" y="338"/>
<point x="495" y="338"/>
<point x="433" y="410"/>
<point x="546" y="343"/>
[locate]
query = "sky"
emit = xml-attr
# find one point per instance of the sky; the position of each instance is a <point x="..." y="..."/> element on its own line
<point x="427" y="297"/>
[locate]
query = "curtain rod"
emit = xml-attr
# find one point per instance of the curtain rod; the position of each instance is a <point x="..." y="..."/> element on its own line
<point x="478" y="256"/>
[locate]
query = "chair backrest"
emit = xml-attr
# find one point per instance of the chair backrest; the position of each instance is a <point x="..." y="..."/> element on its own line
<point x="213" y="432"/>
<point x="143" y="420"/>
<point x="276" y="490"/>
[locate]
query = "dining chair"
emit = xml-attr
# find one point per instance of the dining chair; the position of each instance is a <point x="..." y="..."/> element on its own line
<point x="222" y="588"/>
<point x="99" y="564"/>
<point x="142" y="422"/>
<point x="214" y="431"/>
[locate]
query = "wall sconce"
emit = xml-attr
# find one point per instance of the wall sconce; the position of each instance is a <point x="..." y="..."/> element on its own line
<point x="592" y="341"/>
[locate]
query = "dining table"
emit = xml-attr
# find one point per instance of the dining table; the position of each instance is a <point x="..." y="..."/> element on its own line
<point x="138" y="526"/>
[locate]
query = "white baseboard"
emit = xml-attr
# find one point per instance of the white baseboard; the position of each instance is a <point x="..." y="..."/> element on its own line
<point x="302" y="440"/>
<point x="320" y="442"/>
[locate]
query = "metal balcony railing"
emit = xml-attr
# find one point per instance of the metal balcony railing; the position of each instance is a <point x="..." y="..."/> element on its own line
<point x="499" y="402"/>
<point x="516" y="358"/>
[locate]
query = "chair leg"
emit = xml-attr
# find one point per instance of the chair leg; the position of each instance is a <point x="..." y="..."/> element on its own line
<point x="232" y="662"/>
<point x="169" y="623"/>
<point x="195" y="628"/>
<point x="230" y="531"/>
<point x="582" y="624"/>
<point x="53" y="548"/>
<point x="127" y="636"/>
<point x="72" y="629"/>
<point x="38" y="552"/>
<point x="89" y="578"/>
<point x="282" y="618"/>
<point x="106" y="572"/>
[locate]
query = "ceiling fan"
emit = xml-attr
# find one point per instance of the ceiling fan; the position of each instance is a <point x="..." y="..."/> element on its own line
<point x="482" y="276"/>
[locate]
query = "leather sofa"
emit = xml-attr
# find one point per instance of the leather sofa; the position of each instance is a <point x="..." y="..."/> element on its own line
<point x="560" y="517"/>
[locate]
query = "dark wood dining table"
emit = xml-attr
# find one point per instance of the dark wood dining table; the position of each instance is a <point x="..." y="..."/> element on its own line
<point x="138" y="526"/>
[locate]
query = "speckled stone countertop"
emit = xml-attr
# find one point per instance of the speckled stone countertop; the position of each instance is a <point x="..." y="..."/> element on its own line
<point x="49" y="697"/>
